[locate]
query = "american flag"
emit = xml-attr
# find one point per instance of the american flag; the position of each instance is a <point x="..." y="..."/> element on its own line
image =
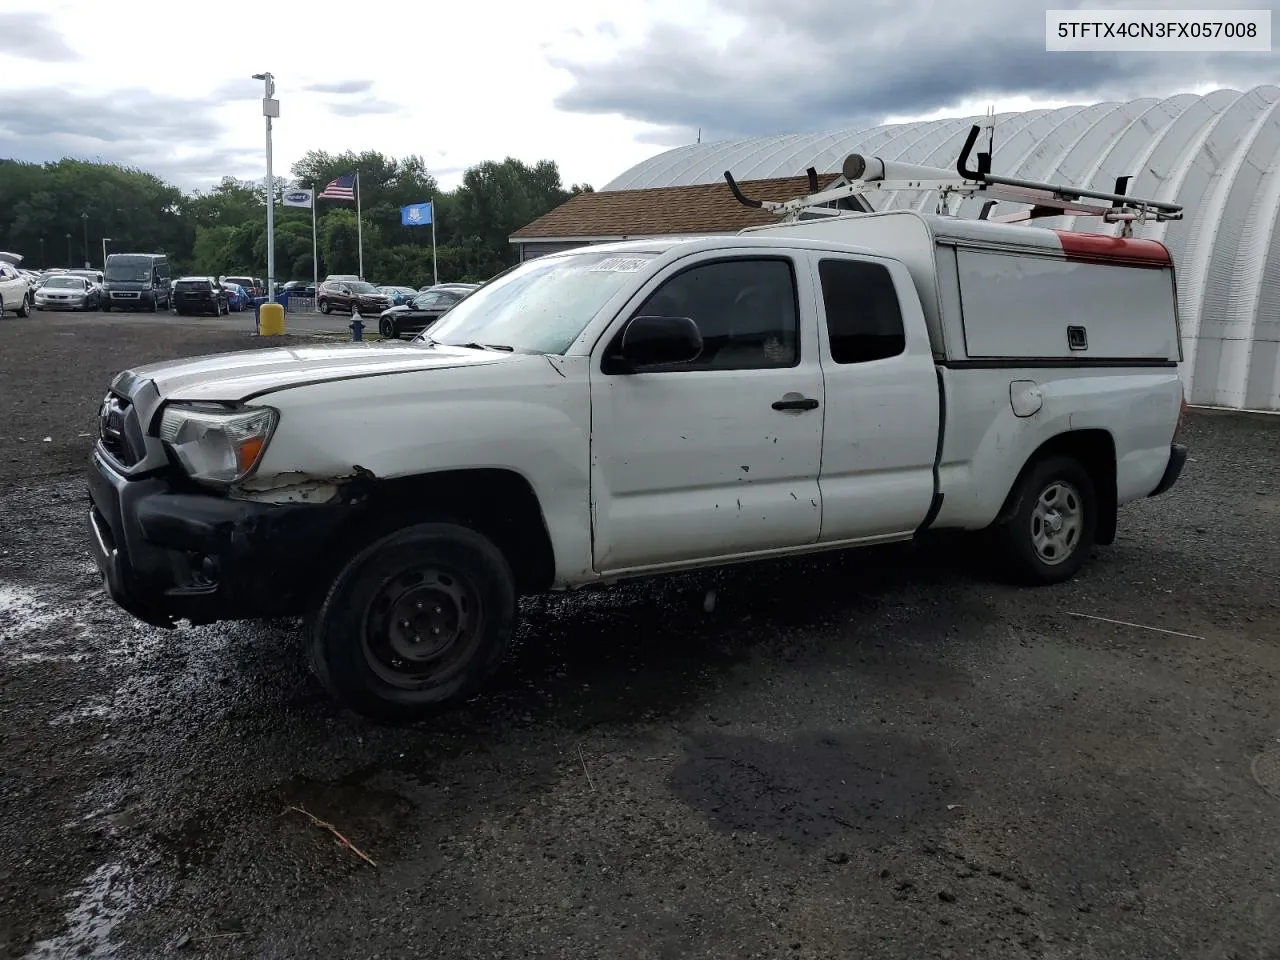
<point x="341" y="189"/>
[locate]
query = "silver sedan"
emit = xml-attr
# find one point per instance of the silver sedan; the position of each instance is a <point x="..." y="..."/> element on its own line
<point x="64" y="292"/>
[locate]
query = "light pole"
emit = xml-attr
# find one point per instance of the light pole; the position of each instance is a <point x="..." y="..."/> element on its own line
<point x="270" y="110"/>
<point x="84" y="219"/>
<point x="104" y="253"/>
<point x="70" y="262"/>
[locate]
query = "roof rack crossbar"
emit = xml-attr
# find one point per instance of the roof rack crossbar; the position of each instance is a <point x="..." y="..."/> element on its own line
<point x="1046" y="199"/>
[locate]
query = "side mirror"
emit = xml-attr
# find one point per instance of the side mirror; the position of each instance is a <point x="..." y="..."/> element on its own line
<point x="653" y="341"/>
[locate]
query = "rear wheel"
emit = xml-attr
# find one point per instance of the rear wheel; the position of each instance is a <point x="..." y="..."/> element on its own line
<point x="24" y="310"/>
<point x="324" y="306"/>
<point x="415" y="622"/>
<point x="387" y="329"/>
<point x="1051" y="531"/>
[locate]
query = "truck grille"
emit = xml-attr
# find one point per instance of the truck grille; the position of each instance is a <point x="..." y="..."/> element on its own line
<point x="119" y="431"/>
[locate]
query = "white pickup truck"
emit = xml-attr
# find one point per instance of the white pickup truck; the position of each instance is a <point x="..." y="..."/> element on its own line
<point x="628" y="409"/>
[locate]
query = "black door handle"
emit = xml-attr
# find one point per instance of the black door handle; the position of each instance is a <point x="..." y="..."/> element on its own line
<point x="808" y="403"/>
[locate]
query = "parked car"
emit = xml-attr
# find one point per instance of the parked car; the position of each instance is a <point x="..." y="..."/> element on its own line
<point x="341" y="276"/>
<point x="348" y="296"/>
<point x="638" y="408"/>
<point x="68" y="292"/>
<point x="431" y="286"/>
<point x="299" y="288"/>
<point x="93" y="276"/>
<point x="398" y="295"/>
<point x="249" y="283"/>
<point x="15" y="290"/>
<point x="420" y="313"/>
<point x="200" y="295"/>
<point x="238" y="298"/>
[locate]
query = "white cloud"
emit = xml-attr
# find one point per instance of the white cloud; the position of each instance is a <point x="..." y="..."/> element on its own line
<point x="435" y="80"/>
<point x="595" y="88"/>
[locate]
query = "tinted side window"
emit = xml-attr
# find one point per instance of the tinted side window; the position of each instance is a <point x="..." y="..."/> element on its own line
<point x="864" y="319"/>
<point x="745" y="309"/>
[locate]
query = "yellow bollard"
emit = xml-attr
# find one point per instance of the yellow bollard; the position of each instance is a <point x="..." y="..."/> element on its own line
<point x="271" y="320"/>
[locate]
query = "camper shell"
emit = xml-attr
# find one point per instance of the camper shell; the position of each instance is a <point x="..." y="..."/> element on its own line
<point x="983" y="285"/>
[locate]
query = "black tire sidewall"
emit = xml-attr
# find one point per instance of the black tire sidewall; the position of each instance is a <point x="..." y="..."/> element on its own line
<point x="336" y="640"/>
<point x="1017" y="551"/>
<point x="324" y="307"/>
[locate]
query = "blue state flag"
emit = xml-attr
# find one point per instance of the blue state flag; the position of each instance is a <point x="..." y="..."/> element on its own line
<point x="416" y="215"/>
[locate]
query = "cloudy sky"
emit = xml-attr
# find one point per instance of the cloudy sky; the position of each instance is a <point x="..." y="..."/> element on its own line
<point x="595" y="87"/>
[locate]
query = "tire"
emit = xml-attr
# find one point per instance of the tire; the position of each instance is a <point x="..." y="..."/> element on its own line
<point x="24" y="309"/>
<point x="387" y="329"/>
<point x="371" y="668"/>
<point x="155" y="305"/>
<point x="1056" y="492"/>
<point x="324" y="307"/>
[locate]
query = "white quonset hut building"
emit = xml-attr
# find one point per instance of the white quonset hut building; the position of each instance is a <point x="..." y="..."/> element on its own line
<point x="1218" y="155"/>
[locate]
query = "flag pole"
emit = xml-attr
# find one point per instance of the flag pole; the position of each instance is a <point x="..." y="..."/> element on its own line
<point x="359" y="226"/>
<point x="315" y="248"/>
<point x="435" y="273"/>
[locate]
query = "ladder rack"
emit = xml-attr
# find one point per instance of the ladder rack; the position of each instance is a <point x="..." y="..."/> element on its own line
<point x="870" y="175"/>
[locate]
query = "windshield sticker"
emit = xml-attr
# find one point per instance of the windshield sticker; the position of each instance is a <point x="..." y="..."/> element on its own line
<point x="620" y="265"/>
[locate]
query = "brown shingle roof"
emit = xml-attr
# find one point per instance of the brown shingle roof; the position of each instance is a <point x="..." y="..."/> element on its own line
<point x="659" y="211"/>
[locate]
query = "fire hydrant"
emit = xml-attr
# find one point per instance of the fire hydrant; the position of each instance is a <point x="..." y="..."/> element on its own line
<point x="357" y="325"/>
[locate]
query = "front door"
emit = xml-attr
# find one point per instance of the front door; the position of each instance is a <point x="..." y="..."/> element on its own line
<point x="717" y="457"/>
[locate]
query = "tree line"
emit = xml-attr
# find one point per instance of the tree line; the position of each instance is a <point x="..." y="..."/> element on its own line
<point x="56" y="214"/>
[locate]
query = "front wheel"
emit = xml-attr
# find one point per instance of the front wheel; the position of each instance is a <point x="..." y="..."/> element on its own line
<point x="25" y="309"/>
<point x="1051" y="532"/>
<point x="324" y="307"/>
<point x="387" y="329"/>
<point x="415" y="622"/>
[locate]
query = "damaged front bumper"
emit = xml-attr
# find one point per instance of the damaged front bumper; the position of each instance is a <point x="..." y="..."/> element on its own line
<point x="168" y="554"/>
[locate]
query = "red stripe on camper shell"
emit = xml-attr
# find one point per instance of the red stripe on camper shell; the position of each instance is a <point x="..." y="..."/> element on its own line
<point x="1122" y="251"/>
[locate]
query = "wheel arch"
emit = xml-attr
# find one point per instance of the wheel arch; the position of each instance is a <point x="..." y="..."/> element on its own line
<point x="499" y="503"/>
<point x="1095" y="450"/>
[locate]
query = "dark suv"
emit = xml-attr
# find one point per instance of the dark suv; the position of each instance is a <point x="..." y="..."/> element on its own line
<point x="200" y="295"/>
<point x="348" y="296"/>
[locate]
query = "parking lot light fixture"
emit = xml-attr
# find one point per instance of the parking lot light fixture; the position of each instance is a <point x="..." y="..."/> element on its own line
<point x="270" y="110"/>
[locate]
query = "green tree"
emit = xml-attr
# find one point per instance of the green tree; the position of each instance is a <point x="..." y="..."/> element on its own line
<point x="222" y="230"/>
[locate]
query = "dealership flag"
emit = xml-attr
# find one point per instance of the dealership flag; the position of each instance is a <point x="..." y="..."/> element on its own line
<point x="348" y="188"/>
<point x="416" y="215"/>
<point x="297" y="198"/>
<point x="421" y="215"/>
<point x="344" y="188"/>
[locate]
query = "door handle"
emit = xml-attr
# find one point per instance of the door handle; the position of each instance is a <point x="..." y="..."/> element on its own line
<point x="806" y="403"/>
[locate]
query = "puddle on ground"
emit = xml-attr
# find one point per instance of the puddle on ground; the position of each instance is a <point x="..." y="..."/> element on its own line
<point x="863" y="788"/>
<point x="104" y="900"/>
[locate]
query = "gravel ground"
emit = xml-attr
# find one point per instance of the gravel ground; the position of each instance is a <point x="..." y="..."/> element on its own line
<point x="879" y="754"/>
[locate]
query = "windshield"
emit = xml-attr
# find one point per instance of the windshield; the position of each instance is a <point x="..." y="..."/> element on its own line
<point x="64" y="282"/>
<point x="541" y="306"/>
<point x="129" y="271"/>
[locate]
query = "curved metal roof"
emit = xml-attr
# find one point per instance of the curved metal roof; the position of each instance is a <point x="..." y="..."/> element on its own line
<point x="1218" y="155"/>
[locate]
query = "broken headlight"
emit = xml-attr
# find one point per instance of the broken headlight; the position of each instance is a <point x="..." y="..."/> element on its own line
<point x="214" y="443"/>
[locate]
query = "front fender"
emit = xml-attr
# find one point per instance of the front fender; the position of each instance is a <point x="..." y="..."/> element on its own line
<point x="529" y="415"/>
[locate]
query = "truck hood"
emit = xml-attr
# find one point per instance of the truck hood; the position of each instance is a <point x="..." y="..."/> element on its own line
<point x="248" y="373"/>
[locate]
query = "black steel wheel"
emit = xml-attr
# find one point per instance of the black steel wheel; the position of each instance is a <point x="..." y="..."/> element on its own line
<point x="1050" y="532"/>
<point x="415" y="622"/>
